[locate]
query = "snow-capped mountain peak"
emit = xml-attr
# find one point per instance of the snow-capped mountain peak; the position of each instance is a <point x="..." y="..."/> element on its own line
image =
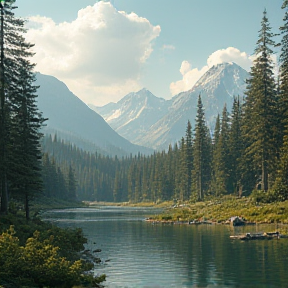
<point x="154" y="122"/>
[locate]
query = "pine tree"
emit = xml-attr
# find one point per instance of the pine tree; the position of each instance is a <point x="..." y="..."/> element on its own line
<point x="235" y="149"/>
<point x="201" y="172"/>
<point x="283" y="79"/>
<point x="20" y="118"/>
<point x="221" y="158"/>
<point x="183" y="176"/>
<point x="281" y="183"/>
<point x="217" y="129"/>
<point x="260" y="109"/>
<point x="189" y="157"/>
<point x="215" y="141"/>
<point x="117" y="187"/>
<point x="26" y="124"/>
<point x="72" y="184"/>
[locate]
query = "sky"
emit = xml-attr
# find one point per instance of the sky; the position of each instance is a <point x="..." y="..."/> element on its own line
<point x="103" y="50"/>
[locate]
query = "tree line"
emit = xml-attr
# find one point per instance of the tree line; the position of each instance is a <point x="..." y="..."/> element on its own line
<point x="247" y="151"/>
<point x="20" y="119"/>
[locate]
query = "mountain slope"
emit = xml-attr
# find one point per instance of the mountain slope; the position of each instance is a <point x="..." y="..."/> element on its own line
<point x="217" y="87"/>
<point x="134" y="114"/>
<point x="166" y="120"/>
<point x="69" y="116"/>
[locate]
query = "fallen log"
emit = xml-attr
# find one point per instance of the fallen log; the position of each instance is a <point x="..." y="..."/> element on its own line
<point x="259" y="236"/>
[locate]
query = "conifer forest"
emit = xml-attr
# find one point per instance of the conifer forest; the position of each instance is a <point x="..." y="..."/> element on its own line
<point x="246" y="151"/>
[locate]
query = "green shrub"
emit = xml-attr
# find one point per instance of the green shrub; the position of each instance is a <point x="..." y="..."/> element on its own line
<point x="260" y="196"/>
<point x="166" y="217"/>
<point x="39" y="264"/>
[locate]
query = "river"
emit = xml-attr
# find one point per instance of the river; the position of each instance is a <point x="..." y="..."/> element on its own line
<point x="137" y="254"/>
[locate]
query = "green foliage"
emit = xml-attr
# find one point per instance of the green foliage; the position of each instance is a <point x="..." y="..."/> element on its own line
<point x="220" y="162"/>
<point x="20" y="118"/>
<point x="201" y="172"/>
<point x="260" y="109"/>
<point x="166" y="217"/>
<point x="47" y="258"/>
<point x="244" y="154"/>
<point x="260" y="196"/>
<point x="220" y="209"/>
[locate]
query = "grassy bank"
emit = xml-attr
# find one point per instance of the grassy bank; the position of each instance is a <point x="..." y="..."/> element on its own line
<point x="129" y="204"/>
<point x="220" y="209"/>
<point x="45" y="203"/>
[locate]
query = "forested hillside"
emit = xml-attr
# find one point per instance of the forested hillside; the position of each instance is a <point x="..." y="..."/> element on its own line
<point x="31" y="254"/>
<point x="247" y="150"/>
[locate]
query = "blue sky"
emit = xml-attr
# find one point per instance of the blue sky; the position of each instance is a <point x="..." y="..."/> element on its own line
<point x="164" y="45"/>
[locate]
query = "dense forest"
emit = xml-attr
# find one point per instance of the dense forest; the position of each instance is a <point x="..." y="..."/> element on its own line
<point x="247" y="151"/>
<point x="32" y="253"/>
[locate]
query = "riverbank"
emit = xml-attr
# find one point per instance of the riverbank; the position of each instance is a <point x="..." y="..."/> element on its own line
<point x="45" y="203"/>
<point x="217" y="210"/>
<point x="165" y="204"/>
<point x="35" y="253"/>
<point x="222" y="209"/>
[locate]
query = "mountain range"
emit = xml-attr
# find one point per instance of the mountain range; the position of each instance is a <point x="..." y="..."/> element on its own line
<point x="72" y="120"/>
<point x="147" y="120"/>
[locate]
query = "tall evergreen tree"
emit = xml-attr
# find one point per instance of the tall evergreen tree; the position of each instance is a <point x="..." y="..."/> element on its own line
<point x="201" y="172"/>
<point x="283" y="75"/>
<point x="281" y="183"/>
<point x="26" y="124"/>
<point x="72" y="184"/>
<point x="189" y="156"/>
<point x="183" y="176"/>
<point x="221" y="161"/>
<point x="235" y="149"/>
<point x="216" y="133"/>
<point x="20" y="147"/>
<point x="260" y="109"/>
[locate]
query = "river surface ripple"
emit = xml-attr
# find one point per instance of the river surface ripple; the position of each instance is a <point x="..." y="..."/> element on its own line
<point x="137" y="254"/>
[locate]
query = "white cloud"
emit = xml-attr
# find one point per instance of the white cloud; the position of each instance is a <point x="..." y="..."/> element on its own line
<point x="98" y="55"/>
<point x="191" y="76"/>
<point x="230" y="54"/>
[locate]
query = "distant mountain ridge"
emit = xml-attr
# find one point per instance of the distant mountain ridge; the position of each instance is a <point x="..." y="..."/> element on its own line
<point x="73" y="120"/>
<point x="145" y="119"/>
<point x="134" y="114"/>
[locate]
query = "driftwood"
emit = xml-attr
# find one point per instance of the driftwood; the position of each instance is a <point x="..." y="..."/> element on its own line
<point x="259" y="236"/>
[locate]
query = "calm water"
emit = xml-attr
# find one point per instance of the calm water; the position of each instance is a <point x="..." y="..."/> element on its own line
<point x="142" y="255"/>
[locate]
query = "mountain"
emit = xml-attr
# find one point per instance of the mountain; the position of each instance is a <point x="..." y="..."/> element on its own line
<point x="167" y="121"/>
<point x="134" y="114"/>
<point x="217" y="87"/>
<point x="73" y="120"/>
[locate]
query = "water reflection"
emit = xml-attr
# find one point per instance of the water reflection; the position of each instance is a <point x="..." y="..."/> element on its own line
<point x="144" y="255"/>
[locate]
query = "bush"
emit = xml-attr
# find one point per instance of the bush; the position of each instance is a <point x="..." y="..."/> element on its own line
<point x="39" y="263"/>
<point x="264" y="197"/>
<point x="166" y="218"/>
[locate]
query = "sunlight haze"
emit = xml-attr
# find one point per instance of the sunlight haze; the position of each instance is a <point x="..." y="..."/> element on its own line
<point x="104" y="50"/>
